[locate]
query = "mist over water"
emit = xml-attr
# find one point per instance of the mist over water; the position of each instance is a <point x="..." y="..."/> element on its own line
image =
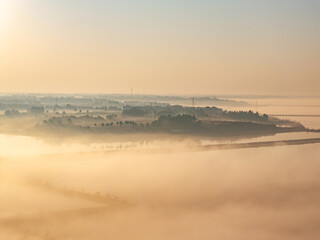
<point x="166" y="188"/>
<point x="159" y="120"/>
<point x="265" y="193"/>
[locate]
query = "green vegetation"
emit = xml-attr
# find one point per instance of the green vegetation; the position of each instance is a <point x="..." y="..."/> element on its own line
<point x="101" y="116"/>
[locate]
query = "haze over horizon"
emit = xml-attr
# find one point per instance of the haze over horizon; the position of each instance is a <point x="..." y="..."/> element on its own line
<point x="171" y="119"/>
<point x="167" y="47"/>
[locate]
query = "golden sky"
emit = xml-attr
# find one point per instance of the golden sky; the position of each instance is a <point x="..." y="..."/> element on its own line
<point x="160" y="47"/>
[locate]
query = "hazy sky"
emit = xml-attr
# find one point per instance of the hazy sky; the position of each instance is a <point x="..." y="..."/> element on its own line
<point x="163" y="47"/>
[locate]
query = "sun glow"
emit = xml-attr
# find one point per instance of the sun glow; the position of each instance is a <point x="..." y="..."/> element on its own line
<point x="4" y="13"/>
<point x="8" y="9"/>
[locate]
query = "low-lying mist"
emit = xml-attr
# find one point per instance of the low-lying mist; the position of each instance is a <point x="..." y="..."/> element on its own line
<point x="264" y="193"/>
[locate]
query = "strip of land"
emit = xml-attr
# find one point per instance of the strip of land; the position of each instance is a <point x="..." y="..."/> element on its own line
<point x="260" y="144"/>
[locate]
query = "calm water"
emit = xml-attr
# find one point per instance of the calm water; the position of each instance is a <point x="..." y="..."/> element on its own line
<point x="304" y="110"/>
<point x="29" y="146"/>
